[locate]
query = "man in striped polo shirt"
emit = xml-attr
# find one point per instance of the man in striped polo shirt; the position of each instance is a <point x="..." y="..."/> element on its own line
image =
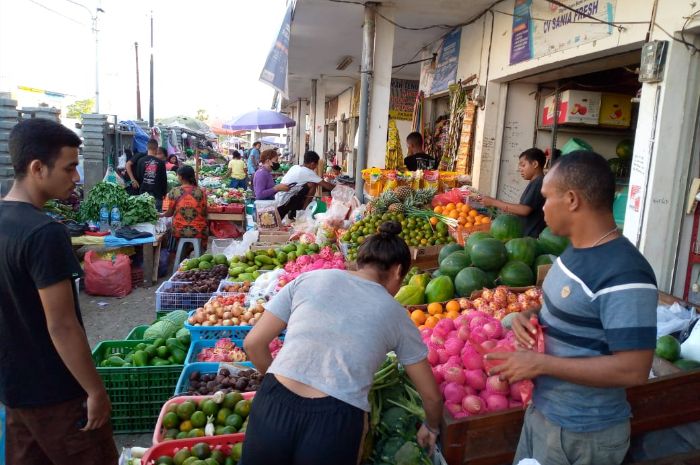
<point x="599" y="320"/>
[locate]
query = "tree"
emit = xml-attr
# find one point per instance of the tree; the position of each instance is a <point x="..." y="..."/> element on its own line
<point x="79" y="107"/>
<point x="202" y="115"/>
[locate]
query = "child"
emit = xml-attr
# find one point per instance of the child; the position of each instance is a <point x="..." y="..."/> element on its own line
<point x="531" y="166"/>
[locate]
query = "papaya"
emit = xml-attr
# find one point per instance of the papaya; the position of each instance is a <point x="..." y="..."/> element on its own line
<point x="439" y="289"/>
<point x="421" y="280"/>
<point x="410" y="295"/>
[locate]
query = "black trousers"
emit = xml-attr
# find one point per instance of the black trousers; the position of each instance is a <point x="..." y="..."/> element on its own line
<point x="294" y="204"/>
<point x="285" y="428"/>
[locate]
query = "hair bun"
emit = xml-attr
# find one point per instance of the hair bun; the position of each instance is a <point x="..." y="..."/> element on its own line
<point x="389" y="229"/>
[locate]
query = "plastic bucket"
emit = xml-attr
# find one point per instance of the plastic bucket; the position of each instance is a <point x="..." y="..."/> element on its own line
<point x="575" y="144"/>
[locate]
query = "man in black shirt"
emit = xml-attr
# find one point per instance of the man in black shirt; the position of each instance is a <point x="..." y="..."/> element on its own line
<point x="152" y="174"/>
<point x="531" y="166"/>
<point x="131" y="166"/>
<point x="416" y="158"/>
<point x="57" y="407"/>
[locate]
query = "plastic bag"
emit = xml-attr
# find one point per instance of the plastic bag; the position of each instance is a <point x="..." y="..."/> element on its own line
<point x="111" y="176"/>
<point x="690" y="348"/>
<point x="109" y="278"/>
<point x="224" y="229"/>
<point x="238" y="248"/>
<point x="672" y="319"/>
<point x="121" y="161"/>
<point x="451" y="196"/>
<point x="265" y="286"/>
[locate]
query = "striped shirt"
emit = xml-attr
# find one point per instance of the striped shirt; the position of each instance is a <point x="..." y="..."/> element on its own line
<point x="597" y="301"/>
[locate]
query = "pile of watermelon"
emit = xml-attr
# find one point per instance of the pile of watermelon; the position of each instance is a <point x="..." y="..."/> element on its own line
<point x="501" y="256"/>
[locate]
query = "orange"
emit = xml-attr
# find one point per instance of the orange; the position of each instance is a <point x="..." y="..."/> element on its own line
<point x="473" y="213"/>
<point x="452" y="314"/>
<point x="434" y="308"/>
<point x="486" y="220"/>
<point x="452" y="305"/>
<point x="461" y="220"/>
<point x="418" y="317"/>
<point x="449" y="207"/>
<point x="464" y="208"/>
<point x="431" y="321"/>
<point x="438" y="209"/>
<point x="453" y="214"/>
<point x="421" y="327"/>
<point x="433" y="220"/>
<point x="439" y="316"/>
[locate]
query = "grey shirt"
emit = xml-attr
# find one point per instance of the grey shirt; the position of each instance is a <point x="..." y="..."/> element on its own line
<point x="339" y="329"/>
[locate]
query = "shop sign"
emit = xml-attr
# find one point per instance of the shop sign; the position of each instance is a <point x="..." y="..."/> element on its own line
<point x="541" y="28"/>
<point x="402" y="99"/>
<point x="274" y="72"/>
<point x="447" y="59"/>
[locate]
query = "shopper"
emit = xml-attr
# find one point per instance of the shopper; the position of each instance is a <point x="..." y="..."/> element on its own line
<point x="302" y="181"/>
<point x="57" y="407"/>
<point x="237" y="171"/>
<point x="599" y="316"/>
<point x="187" y="204"/>
<point x="531" y="166"/>
<point x="131" y="166"/>
<point x="312" y="405"/>
<point x="152" y="174"/>
<point x="254" y="158"/>
<point x="416" y="159"/>
<point x="173" y="162"/>
<point x="263" y="184"/>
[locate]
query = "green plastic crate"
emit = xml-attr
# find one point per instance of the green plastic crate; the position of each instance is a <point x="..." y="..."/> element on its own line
<point x="137" y="393"/>
<point x="137" y="333"/>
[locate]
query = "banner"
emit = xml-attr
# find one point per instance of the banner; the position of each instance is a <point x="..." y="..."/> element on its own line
<point x="447" y="59"/>
<point x="402" y="99"/>
<point x="541" y="28"/>
<point x="274" y="72"/>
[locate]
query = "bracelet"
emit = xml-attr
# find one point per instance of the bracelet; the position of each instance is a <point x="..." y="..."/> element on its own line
<point x="430" y="429"/>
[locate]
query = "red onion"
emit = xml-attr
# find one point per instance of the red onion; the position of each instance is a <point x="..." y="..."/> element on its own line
<point x="442" y="355"/>
<point x="495" y="385"/>
<point x="454" y="393"/>
<point x="454" y="409"/>
<point x="493" y="329"/>
<point x="496" y="402"/>
<point x="433" y="357"/>
<point x="437" y="374"/>
<point x="454" y="374"/>
<point x="473" y="404"/>
<point x="471" y="359"/>
<point x="475" y="379"/>
<point x="453" y="346"/>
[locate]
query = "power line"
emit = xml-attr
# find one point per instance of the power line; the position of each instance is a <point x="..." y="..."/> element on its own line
<point x="58" y="13"/>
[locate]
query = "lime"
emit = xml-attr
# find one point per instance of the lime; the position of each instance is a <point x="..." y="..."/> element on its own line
<point x="186" y="426"/>
<point x="229" y="430"/>
<point x="173" y="408"/>
<point x="201" y="450"/>
<point x="209" y="407"/>
<point x="190" y="460"/>
<point x="170" y="420"/>
<point x="242" y="408"/>
<point x="211" y="461"/>
<point x="198" y="419"/>
<point x="222" y="415"/>
<point x="181" y="456"/>
<point x="231" y="399"/>
<point x="219" y="456"/>
<point x="196" y="433"/>
<point x="171" y="433"/>
<point x="165" y="460"/>
<point x="668" y="347"/>
<point x="181" y="435"/>
<point x="237" y="451"/>
<point x="234" y="420"/>
<point x="186" y="409"/>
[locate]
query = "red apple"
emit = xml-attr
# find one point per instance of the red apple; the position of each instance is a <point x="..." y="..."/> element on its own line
<point x="582" y="110"/>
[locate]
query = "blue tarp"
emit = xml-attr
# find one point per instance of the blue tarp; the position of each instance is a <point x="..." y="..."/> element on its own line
<point x="140" y="137"/>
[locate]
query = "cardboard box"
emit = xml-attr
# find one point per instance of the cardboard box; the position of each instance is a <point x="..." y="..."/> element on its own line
<point x="577" y="106"/>
<point x="616" y="110"/>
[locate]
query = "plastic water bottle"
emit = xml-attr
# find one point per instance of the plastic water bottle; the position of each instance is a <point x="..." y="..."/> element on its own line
<point x="116" y="218"/>
<point x="104" y="218"/>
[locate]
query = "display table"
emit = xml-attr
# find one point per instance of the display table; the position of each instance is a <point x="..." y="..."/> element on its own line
<point x="151" y="250"/>
<point x="235" y="217"/>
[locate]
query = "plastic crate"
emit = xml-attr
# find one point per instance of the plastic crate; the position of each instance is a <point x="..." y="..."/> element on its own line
<point x="137" y="333"/>
<point x="225" y="282"/>
<point x="169" y="447"/>
<point x="183" y="383"/>
<point x="157" y="436"/>
<point x="137" y="393"/>
<point x="168" y="300"/>
<point x="197" y="346"/>
<point x="198" y="333"/>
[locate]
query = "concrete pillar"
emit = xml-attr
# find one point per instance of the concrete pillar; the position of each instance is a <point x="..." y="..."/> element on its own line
<point x="8" y="120"/>
<point x="320" y="118"/>
<point x="300" y="130"/>
<point x="381" y="88"/>
<point x="94" y="164"/>
<point x="663" y="148"/>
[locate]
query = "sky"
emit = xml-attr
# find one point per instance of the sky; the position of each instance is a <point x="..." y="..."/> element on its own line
<point x="208" y="54"/>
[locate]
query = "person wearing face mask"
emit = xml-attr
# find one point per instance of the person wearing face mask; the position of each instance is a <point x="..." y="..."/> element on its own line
<point x="263" y="185"/>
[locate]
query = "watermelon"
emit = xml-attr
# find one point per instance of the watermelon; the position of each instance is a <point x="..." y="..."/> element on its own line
<point x="668" y="348"/>
<point x="435" y="274"/>
<point x="548" y="243"/>
<point x="522" y="250"/>
<point x="455" y="263"/>
<point x="507" y="227"/>
<point x="492" y="277"/>
<point x="543" y="260"/>
<point x="687" y="365"/>
<point x="469" y="280"/>
<point x="440" y="289"/>
<point x="516" y="274"/>
<point x="447" y="250"/>
<point x="624" y="149"/>
<point x="489" y="254"/>
<point x="474" y="238"/>
<point x="410" y="295"/>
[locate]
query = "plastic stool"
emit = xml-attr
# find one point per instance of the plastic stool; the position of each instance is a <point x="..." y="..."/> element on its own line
<point x="196" y="243"/>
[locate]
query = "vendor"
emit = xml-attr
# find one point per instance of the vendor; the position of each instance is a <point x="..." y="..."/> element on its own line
<point x="312" y="405"/>
<point x="599" y="312"/>
<point x="263" y="185"/>
<point x="187" y="204"/>
<point x="416" y="159"/>
<point x="302" y="181"/>
<point x="173" y="163"/>
<point x="237" y="171"/>
<point x="531" y="166"/>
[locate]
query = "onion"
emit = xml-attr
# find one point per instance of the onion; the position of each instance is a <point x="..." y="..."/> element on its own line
<point x="489" y="345"/>
<point x="227" y="322"/>
<point x="219" y="312"/>
<point x="213" y="319"/>
<point x="426" y="333"/>
<point x="454" y="393"/>
<point x="454" y="409"/>
<point x="463" y="332"/>
<point x="475" y="379"/>
<point x="237" y="312"/>
<point x="443" y="356"/>
<point x="247" y="316"/>
<point x="437" y="374"/>
<point x="453" y="346"/>
<point x="495" y="385"/>
<point x="454" y="374"/>
<point x="433" y="357"/>
<point x="493" y="330"/>
<point x="514" y="403"/>
<point x="471" y="359"/>
<point x="473" y="404"/>
<point x="461" y="320"/>
<point x="227" y="315"/>
<point x="437" y="340"/>
<point x="496" y="402"/>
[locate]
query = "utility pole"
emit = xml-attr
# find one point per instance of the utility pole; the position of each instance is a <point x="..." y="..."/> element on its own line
<point x="368" y="32"/>
<point x="151" y="110"/>
<point x="95" y="31"/>
<point x="138" y="83"/>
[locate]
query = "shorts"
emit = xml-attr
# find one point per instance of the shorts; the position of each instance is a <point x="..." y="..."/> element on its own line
<point x="284" y="428"/>
<point x="550" y="444"/>
<point x="50" y="434"/>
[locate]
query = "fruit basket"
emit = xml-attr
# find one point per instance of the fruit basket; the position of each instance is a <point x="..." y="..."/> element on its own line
<point x="137" y="393"/>
<point x="197" y="346"/>
<point x="198" y="333"/>
<point x="168" y="299"/>
<point x="157" y="433"/>
<point x="137" y="333"/>
<point x="170" y="448"/>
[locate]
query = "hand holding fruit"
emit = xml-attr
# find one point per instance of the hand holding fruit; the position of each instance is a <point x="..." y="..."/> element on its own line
<point x="524" y="329"/>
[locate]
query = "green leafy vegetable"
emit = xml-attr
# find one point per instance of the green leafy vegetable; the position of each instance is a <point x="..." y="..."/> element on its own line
<point x="103" y="192"/>
<point x="140" y="209"/>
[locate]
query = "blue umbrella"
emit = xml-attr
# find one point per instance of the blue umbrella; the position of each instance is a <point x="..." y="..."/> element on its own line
<point x="260" y="119"/>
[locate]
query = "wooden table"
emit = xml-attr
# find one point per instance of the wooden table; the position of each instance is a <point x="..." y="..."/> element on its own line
<point x="235" y="217"/>
<point x="151" y="259"/>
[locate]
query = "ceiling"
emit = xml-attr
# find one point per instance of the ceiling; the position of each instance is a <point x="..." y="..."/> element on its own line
<point x="324" y="31"/>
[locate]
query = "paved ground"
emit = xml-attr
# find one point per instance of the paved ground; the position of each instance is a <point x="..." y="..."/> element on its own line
<point x="108" y="318"/>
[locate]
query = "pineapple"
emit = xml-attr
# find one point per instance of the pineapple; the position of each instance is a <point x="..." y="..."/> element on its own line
<point x="424" y="196"/>
<point x="396" y="208"/>
<point x="371" y="207"/>
<point x="403" y="192"/>
<point x="389" y="197"/>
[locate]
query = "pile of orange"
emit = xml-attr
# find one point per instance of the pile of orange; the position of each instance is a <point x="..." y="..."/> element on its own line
<point x="435" y="312"/>
<point x="463" y="213"/>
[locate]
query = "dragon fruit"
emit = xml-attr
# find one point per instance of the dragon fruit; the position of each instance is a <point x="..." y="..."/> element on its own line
<point x="326" y="259"/>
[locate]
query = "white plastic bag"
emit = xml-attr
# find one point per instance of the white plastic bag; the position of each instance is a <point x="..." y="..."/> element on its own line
<point x="670" y="319"/>
<point x="238" y="248"/>
<point x="265" y="286"/>
<point x="690" y="348"/>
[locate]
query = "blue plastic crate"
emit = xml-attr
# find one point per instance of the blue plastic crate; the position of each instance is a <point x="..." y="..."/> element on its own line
<point x="197" y="346"/>
<point x="198" y="333"/>
<point x="203" y="367"/>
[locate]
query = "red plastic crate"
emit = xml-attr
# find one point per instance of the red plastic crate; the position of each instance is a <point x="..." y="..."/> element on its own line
<point x="169" y="447"/>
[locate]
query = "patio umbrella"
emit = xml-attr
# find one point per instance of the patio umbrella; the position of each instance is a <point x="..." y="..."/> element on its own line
<point x="187" y="123"/>
<point x="260" y="119"/>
